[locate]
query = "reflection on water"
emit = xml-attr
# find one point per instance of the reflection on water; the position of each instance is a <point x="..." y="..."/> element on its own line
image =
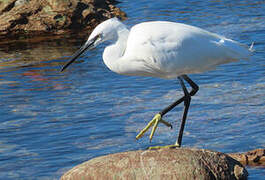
<point x="51" y="121"/>
<point x="26" y="52"/>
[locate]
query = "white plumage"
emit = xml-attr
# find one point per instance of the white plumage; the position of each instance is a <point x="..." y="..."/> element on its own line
<point x="165" y="49"/>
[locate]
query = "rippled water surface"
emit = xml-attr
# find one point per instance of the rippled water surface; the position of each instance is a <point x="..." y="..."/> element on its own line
<point x="52" y="121"/>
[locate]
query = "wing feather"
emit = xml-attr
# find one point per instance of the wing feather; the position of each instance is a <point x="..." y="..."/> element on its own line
<point x="173" y="49"/>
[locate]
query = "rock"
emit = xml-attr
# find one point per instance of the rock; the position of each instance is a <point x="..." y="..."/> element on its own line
<point x="251" y="158"/>
<point x="29" y="17"/>
<point x="182" y="163"/>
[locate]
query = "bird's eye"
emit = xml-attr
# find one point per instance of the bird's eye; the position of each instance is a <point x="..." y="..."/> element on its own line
<point x="99" y="36"/>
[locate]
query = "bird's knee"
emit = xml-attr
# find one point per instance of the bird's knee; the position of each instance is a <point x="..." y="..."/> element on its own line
<point x="194" y="90"/>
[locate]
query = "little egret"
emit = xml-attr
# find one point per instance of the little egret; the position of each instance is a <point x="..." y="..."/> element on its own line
<point x="165" y="50"/>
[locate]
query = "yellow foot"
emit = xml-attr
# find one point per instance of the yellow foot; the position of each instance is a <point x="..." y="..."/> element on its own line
<point x="154" y="122"/>
<point x="172" y="146"/>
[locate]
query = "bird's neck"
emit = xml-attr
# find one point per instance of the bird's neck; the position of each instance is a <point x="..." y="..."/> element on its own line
<point x="113" y="53"/>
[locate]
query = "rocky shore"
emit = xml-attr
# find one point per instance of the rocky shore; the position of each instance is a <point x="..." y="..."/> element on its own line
<point x="255" y="157"/>
<point x="34" y="17"/>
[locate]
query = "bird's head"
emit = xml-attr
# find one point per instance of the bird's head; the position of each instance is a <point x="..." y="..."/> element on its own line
<point x="107" y="30"/>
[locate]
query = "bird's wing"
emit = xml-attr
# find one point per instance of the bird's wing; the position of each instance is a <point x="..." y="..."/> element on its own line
<point x="175" y="48"/>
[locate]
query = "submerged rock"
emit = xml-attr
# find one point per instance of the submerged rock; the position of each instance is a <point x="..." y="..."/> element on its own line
<point x="182" y="163"/>
<point x="255" y="157"/>
<point x="29" y="17"/>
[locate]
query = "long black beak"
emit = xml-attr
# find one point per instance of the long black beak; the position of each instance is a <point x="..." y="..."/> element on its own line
<point x="86" y="46"/>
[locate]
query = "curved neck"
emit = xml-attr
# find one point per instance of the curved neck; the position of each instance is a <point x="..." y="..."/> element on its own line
<point x="115" y="51"/>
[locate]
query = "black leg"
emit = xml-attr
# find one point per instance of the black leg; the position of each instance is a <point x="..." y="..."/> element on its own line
<point x="187" y="99"/>
<point x="193" y="91"/>
<point x="193" y="85"/>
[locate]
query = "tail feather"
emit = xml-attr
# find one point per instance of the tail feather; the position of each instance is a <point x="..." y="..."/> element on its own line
<point x="251" y="49"/>
<point x="237" y="50"/>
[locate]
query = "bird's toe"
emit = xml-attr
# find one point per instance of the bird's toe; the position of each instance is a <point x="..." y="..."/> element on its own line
<point x="154" y="122"/>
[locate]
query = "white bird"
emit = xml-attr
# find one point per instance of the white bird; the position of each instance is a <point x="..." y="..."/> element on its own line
<point x="165" y="50"/>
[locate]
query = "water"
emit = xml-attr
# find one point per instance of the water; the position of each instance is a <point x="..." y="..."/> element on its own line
<point x="52" y="121"/>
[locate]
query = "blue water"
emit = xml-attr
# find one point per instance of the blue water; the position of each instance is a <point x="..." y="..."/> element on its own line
<point x="52" y="121"/>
